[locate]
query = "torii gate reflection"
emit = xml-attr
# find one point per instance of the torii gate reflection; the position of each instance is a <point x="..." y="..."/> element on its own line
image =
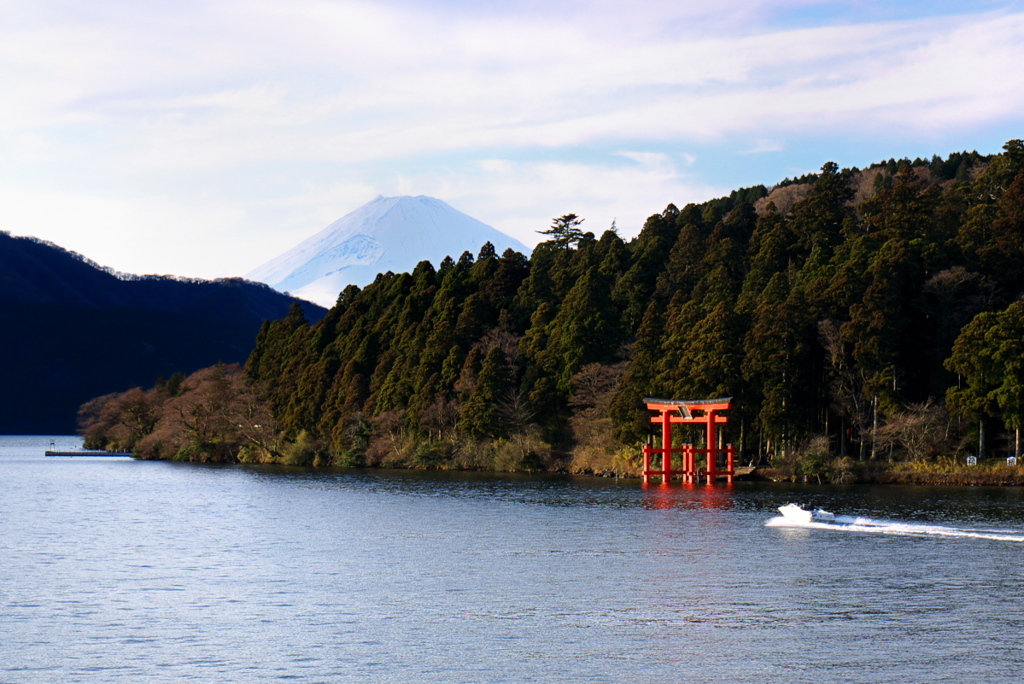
<point x="682" y="411"/>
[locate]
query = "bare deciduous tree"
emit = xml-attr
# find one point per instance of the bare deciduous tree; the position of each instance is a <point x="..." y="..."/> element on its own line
<point x="920" y="432"/>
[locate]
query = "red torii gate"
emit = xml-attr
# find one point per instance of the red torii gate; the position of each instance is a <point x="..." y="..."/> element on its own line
<point x="682" y="411"/>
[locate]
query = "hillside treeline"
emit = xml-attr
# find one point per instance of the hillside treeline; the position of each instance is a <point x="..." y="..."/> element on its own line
<point x="868" y="313"/>
<point x="72" y="330"/>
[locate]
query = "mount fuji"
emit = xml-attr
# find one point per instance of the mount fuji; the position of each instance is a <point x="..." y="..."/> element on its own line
<point x="387" y="234"/>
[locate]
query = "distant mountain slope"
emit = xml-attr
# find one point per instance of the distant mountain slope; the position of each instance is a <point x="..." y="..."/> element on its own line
<point x="388" y="234"/>
<point x="70" y="330"/>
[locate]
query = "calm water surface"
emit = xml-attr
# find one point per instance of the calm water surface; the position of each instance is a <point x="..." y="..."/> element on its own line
<point x="113" y="570"/>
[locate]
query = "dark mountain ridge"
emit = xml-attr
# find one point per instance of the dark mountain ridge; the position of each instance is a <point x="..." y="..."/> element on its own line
<point x="73" y="330"/>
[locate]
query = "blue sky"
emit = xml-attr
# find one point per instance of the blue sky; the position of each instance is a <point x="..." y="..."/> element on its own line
<point x="204" y="138"/>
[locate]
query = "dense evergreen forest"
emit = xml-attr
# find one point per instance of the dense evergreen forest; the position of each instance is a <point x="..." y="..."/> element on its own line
<point x="872" y="314"/>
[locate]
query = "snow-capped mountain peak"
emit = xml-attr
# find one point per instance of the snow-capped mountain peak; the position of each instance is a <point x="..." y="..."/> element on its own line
<point x="386" y="234"/>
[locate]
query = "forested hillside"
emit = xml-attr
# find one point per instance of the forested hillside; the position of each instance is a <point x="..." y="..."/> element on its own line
<point x="871" y="313"/>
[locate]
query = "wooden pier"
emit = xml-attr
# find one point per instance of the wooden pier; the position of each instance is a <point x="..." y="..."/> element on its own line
<point x="91" y="453"/>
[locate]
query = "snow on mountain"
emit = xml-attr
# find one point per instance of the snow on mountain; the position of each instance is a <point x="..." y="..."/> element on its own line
<point x="388" y="234"/>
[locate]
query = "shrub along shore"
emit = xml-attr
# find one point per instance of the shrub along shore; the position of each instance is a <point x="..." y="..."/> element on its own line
<point x="216" y="416"/>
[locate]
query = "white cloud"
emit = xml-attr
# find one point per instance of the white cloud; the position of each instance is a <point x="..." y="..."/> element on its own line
<point x="763" y="146"/>
<point x="366" y="83"/>
<point x="521" y="198"/>
<point x="255" y="118"/>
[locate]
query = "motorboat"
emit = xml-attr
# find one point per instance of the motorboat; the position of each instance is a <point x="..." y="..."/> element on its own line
<point x="796" y="513"/>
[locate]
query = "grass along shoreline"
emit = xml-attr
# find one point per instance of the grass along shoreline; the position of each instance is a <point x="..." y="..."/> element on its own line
<point x="942" y="471"/>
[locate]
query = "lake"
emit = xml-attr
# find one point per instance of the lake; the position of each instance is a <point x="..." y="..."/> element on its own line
<point x="115" y="570"/>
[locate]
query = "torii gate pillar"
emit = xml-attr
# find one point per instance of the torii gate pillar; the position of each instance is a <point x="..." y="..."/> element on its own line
<point x="682" y="411"/>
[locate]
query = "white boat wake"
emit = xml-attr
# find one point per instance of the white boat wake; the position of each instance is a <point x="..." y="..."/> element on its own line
<point x="795" y="516"/>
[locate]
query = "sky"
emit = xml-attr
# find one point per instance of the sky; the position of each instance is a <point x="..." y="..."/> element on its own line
<point x="204" y="138"/>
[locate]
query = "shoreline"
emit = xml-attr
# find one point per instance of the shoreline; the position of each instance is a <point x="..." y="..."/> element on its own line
<point x="945" y="472"/>
<point x="841" y="471"/>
